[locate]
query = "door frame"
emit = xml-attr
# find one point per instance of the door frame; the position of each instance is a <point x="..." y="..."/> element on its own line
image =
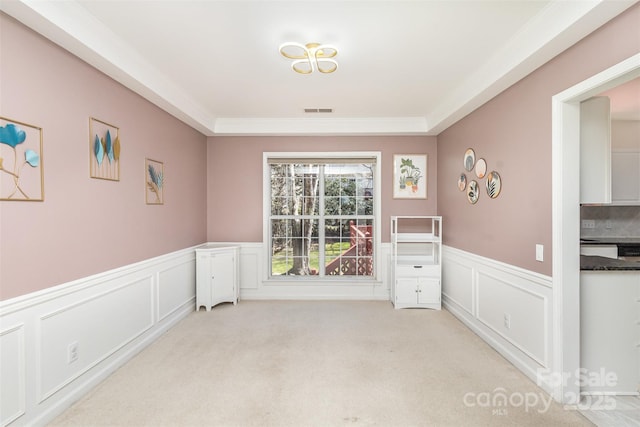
<point x="565" y="166"/>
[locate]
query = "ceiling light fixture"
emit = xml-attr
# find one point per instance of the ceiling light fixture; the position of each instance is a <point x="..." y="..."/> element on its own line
<point x="310" y="57"/>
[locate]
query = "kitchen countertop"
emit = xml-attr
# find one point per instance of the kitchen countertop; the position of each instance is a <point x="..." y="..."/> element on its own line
<point x="600" y="263"/>
<point x="610" y="240"/>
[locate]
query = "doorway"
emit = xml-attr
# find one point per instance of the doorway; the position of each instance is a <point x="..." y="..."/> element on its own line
<point x="566" y="219"/>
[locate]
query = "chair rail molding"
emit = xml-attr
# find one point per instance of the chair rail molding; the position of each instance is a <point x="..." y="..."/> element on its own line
<point x="58" y="343"/>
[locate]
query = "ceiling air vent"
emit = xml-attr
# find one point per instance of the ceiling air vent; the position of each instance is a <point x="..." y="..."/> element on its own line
<point x="318" y="110"/>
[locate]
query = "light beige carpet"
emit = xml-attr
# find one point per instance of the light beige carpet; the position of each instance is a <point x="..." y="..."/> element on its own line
<point x="317" y="363"/>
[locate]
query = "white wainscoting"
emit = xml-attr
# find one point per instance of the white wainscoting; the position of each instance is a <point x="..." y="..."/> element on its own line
<point x="254" y="283"/>
<point x="109" y="317"/>
<point x="509" y="307"/>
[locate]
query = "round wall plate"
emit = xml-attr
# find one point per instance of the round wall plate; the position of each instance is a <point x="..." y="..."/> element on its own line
<point x="469" y="159"/>
<point x="473" y="192"/>
<point x="494" y="184"/>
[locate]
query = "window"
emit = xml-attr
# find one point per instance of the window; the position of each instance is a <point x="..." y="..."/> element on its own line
<point x="322" y="215"/>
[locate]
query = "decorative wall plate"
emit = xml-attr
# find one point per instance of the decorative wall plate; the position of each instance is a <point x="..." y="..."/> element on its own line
<point x="469" y="159"/>
<point x="481" y="168"/>
<point x="462" y="182"/>
<point x="473" y="192"/>
<point x="494" y="184"/>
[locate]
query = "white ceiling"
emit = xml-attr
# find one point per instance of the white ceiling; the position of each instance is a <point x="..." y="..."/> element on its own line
<point x="405" y="67"/>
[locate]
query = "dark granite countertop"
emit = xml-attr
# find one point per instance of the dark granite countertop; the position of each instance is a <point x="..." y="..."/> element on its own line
<point x="610" y="240"/>
<point x="600" y="263"/>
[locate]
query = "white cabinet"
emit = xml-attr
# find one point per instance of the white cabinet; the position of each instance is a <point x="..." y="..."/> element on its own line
<point x="217" y="275"/>
<point x="610" y="331"/>
<point x="595" y="150"/>
<point x="416" y="267"/>
<point x="625" y="177"/>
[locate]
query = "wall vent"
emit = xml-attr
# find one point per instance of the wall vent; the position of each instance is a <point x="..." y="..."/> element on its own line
<point x="318" y="110"/>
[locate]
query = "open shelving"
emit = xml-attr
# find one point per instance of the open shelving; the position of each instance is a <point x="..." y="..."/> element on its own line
<point x="416" y="261"/>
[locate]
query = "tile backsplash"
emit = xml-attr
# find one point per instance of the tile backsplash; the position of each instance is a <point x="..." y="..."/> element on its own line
<point x="610" y="221"/>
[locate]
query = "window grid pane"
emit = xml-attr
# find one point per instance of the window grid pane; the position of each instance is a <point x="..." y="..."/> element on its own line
<point x="349" y="247"/>
<point x="347" y="225"/>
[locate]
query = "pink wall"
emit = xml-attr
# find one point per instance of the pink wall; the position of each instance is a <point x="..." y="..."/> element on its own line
<point x="513" y="133"/>
<point x="86" y="226"/>
<point x="234" y="180"/>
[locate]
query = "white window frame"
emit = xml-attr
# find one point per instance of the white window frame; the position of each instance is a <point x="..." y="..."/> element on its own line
<point x="266" y="213"/>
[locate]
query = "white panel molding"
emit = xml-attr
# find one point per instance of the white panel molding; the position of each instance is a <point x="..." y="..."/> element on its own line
<point x="542" y="359"/>
<point x="530" y="285"/>
<point x="112" y="315"/>
<point x="250" y="265"/>
<point x="527" y="275"/>
<point x="459" y="269"/>
<point x="12" y="373"/>
<point x="171" y="296"/>
<point x="253" y="286"/>
<point x="93" y="312"/>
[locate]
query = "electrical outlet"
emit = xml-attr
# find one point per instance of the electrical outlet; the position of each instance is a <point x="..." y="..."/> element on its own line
<point x="539" y="252"/>
<point x="507" y="321"/>
<point x="72" y="352"/>
<point x="588" y="223"/>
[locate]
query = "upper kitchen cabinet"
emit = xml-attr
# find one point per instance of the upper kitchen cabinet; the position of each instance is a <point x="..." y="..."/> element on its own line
<point x="625" y="162"/>
<point x="595" y="150"/>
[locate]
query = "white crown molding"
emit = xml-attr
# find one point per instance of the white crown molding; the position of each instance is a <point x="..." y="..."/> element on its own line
<point x="322" y="126"/>
<point x="69" y="25"/>
<point x="560" y="25"/>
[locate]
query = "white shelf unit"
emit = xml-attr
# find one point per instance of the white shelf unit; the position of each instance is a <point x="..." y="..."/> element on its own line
<point x="416" y="261"/>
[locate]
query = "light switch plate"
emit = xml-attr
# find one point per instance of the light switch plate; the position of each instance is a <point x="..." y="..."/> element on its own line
<point x="539" y="252"/>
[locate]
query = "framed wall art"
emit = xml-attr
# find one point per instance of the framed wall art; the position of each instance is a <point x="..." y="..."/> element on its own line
<point x="409" y="176"/>
<point x="493" y="181"/>
<point x="473" y="192"/>
<point x="154" y="182"/>
<point x="481" y="168"/>
<point x="21" y="163"/>
<point x="469" y="160"/>
<point x="104" y="150"/>
<point x="462" y="182"/>
<point x="494" y="184"/>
